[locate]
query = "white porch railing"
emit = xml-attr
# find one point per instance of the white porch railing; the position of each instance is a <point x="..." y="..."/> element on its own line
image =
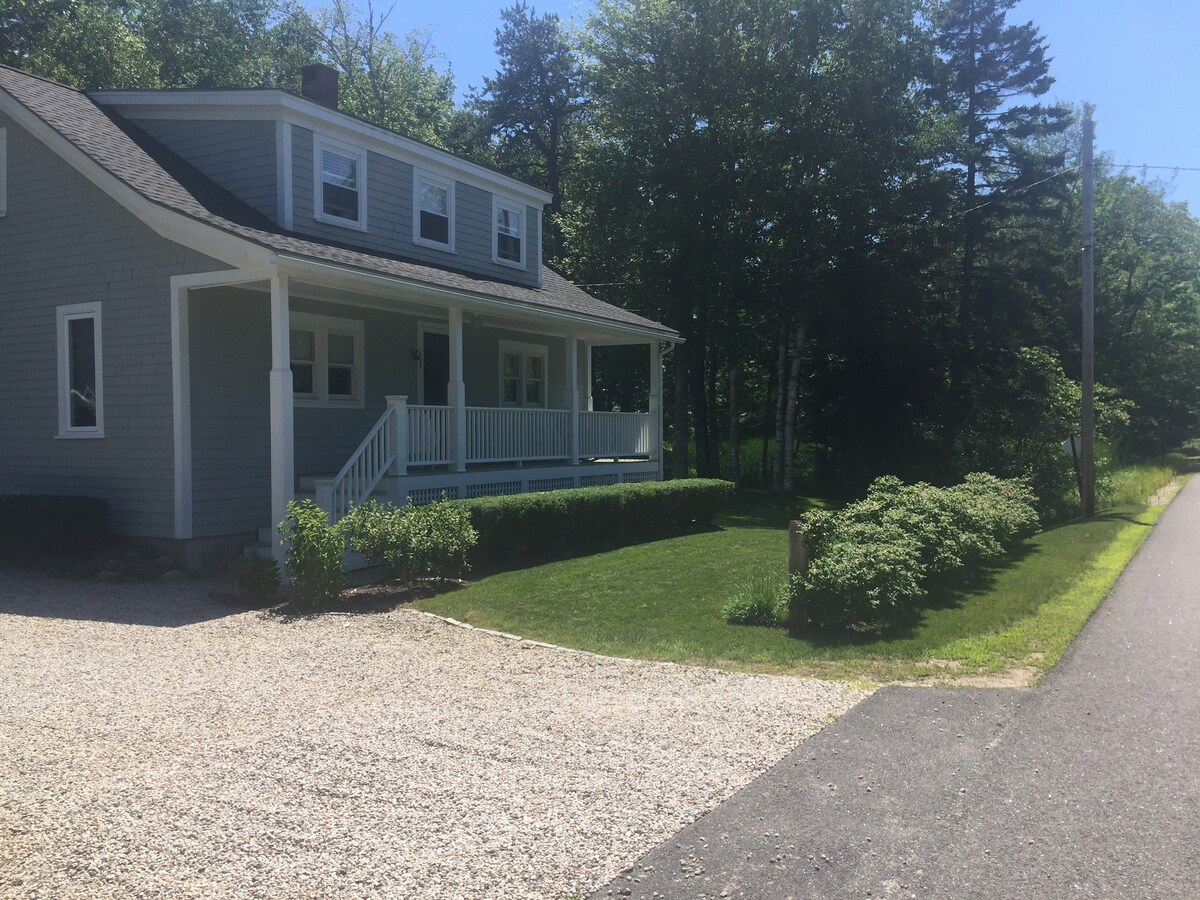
<point x="378" y="452"/>
<point x="428" y="435"/>
<point x="614" y="434"/>
<point x="506" y="435"/>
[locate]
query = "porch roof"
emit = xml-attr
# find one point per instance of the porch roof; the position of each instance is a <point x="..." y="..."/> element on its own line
<point x="155" y="174"/>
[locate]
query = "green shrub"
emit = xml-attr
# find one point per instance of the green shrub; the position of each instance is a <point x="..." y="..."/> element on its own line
<point x="36" y="525"/>
<point x="522" y="529"/>
<point x="256" y="577"/>
<point x="433" y="540"/>
<point x="759" y="601"/>
<point x="315" y="553"/>
<point x="869" y="561"/>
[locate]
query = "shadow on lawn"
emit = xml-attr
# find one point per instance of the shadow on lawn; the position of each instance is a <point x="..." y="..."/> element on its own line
<point x="948" y="591"/>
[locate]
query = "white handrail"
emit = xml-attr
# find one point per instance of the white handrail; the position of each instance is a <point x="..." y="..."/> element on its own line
<point x="363" y="471"/>
<point x="509" y="434"/>
<point x="428" y="435"/>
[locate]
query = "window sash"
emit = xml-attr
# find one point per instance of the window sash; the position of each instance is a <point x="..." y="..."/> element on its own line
<point x="326" y="361"/>
<point x="523" y="378"/>
<point x="433" y="211"/>
<point x="80" y="370"/>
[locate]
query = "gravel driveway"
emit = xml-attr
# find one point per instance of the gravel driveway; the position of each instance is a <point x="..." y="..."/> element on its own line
<point x="154" y="744"/>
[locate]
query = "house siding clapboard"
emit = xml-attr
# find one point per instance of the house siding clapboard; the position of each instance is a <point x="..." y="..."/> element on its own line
<point x="240" y="156"/>
<point x="63" y="241"/>
<point x="390" y="217"/>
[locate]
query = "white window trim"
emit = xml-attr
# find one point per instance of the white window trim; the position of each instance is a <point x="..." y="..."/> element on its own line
<point x="322" y="326"/>
<point x="3" y="171"/>
<point x="64" y="315"/>
<point x="446" y="184"/>
<point x="525" y="350"/>
<point x="499" y="203"/>
<point x="322" y="143"/>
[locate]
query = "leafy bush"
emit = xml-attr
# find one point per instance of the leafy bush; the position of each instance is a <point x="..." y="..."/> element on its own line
<point x="432" y="540"/>
<point x="33" y="525"/>
<point x="521" y="529"/>
<point x="760" y="601"/>
<point x="315" y="553"/>
<point x="869" y="562"/>
<point x="256" y="577"/>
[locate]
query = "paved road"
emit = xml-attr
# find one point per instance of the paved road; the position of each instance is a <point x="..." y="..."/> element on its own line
<point x="1086" y="786"/>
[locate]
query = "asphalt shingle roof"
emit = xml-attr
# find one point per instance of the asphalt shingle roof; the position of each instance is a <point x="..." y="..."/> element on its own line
<point x="160" y="177"/>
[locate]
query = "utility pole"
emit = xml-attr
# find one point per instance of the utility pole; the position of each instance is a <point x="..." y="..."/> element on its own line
<point x="1088" y="423"/>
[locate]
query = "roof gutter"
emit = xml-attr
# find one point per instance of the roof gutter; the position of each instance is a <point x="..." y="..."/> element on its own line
<point x="298" y="266"/>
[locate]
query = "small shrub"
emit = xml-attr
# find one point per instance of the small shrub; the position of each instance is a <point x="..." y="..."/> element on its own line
<point x="256" y="578"/>
<point x="433" y="540"/>
<point x="760" y="601"/>
<point x="869" y="561"/>
<point x="38" y="525"/>
<point x="315" y="553"/>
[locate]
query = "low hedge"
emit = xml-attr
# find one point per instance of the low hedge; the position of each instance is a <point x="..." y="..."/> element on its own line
<point x="38" y="525"/>
<point x="521" y="529"/>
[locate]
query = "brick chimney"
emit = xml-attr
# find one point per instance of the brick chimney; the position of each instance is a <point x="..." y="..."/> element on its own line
<point x="319" y="83"/>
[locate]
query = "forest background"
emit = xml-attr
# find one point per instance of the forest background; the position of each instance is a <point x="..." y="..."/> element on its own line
<point x="863" y="216"/>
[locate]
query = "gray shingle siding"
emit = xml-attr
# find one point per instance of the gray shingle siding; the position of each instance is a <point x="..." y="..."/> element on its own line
<point x="63" y="242"/>
<point x="390" y="217"/>
<point x="230" y="355"/>
<point x="239" y="156"/>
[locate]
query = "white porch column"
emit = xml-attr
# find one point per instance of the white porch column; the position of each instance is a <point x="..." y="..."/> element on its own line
<point x="456" y="395"/>
<point x="656" y="420"/>
<point x="283" y="460"/>
<point x="587" y="376"/>
<point x="573" y="397"/>
<point x="398" y="403"/>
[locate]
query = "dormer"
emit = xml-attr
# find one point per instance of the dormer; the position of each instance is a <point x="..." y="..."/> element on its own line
<point x="323" y="174"/>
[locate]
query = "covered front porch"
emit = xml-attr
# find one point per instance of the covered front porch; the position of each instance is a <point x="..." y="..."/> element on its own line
<point x="388" y="391"/>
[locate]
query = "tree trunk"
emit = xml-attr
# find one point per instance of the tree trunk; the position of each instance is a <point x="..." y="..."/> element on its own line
<point x="780" y="409"/>
<point x="766" y="426"/>
<point x="679" y="416"/>
<point x="700" y="417"/>
<point x="735" y="456"/>
<point x="789" y="425"/>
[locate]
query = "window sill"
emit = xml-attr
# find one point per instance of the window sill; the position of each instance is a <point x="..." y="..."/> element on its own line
<point x="351" y="224"/>
<point x="433" y="245"/>
<point x="78" y="435"/>
<point x="318" y="403"/>
<point x="509" y="263"/>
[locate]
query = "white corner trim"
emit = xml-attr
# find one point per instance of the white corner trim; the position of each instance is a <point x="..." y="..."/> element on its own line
<point x="283" y="174"/>
<point x="538" y="261"/>
<point x="63" y="315"/>
<point x="181" y="408"/>
<point x="513" y="206"/>
<point x="321" y="142"/>
<point x="447" y="184"/>
<point x="3" y="171"/>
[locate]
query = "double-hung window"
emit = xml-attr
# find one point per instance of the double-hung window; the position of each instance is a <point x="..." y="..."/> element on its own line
<point x="522" y="374"/>
<point x="340" y="184"/>
<point x="508" y="245"/>
<point x="327" y="361"/>
<point x="80" y="371"/>
<point x="433" y="211"/>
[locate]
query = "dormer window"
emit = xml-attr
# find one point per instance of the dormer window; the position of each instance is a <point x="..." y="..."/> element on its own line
<point x="508" y="244"/>
<point x="340" y="188"/>
<point x="433" y="216"/>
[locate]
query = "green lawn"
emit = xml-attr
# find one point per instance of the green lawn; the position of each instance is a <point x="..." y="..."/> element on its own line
<point x="662" y="600"/>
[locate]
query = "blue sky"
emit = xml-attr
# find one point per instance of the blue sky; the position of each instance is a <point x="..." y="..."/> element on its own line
<point x="1138" y="62"/>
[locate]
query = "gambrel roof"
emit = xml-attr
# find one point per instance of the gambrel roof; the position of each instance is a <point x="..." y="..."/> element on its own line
<point x="166" y="181"/>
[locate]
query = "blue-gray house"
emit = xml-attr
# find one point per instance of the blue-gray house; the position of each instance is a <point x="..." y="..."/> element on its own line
<point x="213" y="302"/>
